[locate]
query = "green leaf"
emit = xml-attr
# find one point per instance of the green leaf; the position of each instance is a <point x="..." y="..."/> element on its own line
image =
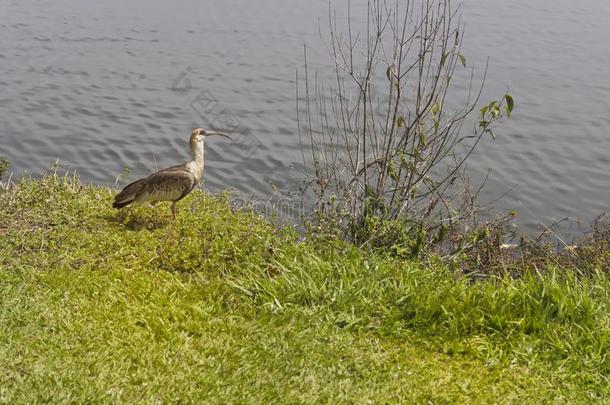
<point x="510" y="103"/>
<point x="388" y="72"/>
<point x="391" y="170"/>
<point x="481" y="235"/>
<point x="403" y="162"/>
<point x="462" y="59"/>
<point x="435" y="108"/>
<point x="443" y="59"/>
<point x="400" y="121"/>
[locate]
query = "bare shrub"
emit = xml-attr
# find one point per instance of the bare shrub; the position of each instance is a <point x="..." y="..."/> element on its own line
<point x="386" y="139"/>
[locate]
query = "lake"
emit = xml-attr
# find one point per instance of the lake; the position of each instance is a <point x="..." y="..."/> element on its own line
<point x="114" y="84"/>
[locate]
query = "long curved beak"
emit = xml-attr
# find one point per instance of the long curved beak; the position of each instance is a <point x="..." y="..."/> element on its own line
<point x="208" y="133"/>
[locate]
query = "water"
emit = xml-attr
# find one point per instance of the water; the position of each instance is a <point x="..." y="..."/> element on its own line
<point x="107" y="85"/>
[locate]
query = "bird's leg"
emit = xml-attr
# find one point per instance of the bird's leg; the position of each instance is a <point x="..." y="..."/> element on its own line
<point x="174" y="210"/>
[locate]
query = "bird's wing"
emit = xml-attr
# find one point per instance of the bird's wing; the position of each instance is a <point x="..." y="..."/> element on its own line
<point x="170" y="184"/>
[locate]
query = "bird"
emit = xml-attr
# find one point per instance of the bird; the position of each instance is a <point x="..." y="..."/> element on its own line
<point x="173" y="183"/>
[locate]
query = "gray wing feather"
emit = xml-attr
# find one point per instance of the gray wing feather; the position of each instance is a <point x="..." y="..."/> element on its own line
<point x="171" y="184"/>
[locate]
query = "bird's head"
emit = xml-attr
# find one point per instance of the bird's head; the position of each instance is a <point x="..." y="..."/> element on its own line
<point x="199" y="134"/>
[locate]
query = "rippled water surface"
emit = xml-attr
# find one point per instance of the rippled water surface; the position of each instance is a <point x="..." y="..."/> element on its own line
<point x="104" y="85"/>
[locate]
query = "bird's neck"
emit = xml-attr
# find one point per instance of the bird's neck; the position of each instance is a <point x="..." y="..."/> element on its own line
<point x="197" y="163"/>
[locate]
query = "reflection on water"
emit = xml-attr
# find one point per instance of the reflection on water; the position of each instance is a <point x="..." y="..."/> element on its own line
<point x="104" y="85"/>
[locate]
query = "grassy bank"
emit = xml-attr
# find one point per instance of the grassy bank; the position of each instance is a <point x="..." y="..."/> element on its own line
<point x="100" y="305"/>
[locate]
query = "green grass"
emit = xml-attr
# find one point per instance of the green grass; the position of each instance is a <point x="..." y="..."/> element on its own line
<point x="99" y="305"/>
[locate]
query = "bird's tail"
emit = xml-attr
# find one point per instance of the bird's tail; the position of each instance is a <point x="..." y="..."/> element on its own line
<point x="121" y="204"/>
<point x="127" y="196"/>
